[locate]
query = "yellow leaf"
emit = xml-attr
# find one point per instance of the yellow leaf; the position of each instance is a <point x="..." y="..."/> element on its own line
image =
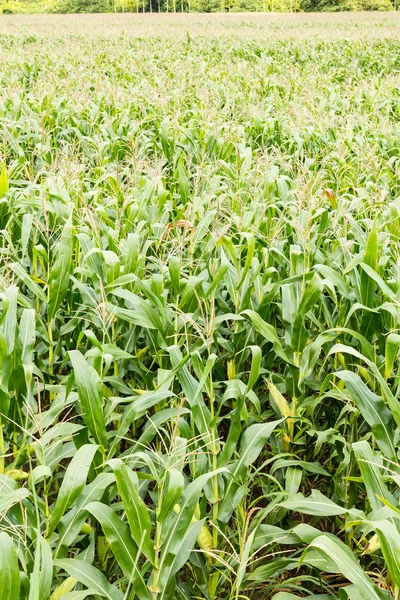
<point x="372" y="546"/>
<point x="3" y="181"/>
<point x="231" y="370"/>
<point x="280" y="401"/>
<point x="66" y="586"/>
<point x="205" y="540"/>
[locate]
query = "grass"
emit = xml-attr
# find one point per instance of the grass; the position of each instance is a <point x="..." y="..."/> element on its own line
<point x="200" y="285"/>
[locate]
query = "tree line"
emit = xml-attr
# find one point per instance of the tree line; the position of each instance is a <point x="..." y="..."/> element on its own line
<point x="208" y="6"/>
<point x="76" y="6"/>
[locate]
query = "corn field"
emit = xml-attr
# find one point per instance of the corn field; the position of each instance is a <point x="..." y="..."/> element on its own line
<point x="200" y="308"/>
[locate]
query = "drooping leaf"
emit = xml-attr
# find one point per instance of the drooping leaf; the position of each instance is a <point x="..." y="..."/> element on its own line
<point x="316" y="504"/>
<point x="341" y="558"/>
<point x="374" y="411"/>
<point x="90" y="577"/>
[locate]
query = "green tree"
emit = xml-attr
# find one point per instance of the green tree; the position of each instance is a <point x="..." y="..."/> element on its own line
<point x="84" y="6"/>
<point x="330" y="5"/>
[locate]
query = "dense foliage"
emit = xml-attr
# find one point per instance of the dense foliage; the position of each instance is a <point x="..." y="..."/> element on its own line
<point x="206" y="6"/>
<point x="199" y="324"/>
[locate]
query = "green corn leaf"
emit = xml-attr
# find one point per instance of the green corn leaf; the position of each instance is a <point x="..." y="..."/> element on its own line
<point x="42" y="574"/>
<point x="268" y="332"/>
<point x="174" y="268"/>
<point x="385" y="289"/>
<point x="27" y="334"/>
<point x="249" y="257"/>
<point x="172" y="492"/>
<point x="157" y="420"/>
<point x="374" y="411"/>
<point x="111" y="266"/>
<point x="372" y="475"/>
<point x="311" y="295"/>
<point x="136" y="510"/>
<point x="216" y="280"/>
<point x="235" y="431"/>
<point x="175" y="535"/>
<point x="253" y="442"/>
<point x="350" y="592"/>
<point x="389" y="541"/>
<point x="90" y="577"/>
<point x="334" y="277"/>
<point x="137" y="409"/>
<point x="183" y="183"/>
<point x="391" y="351"/>
<point x="90" y="397"/>
<point x="10" y="581"/>
<point x="192" y="390"/>
<point x="316" y="504"/>
<point x="131" y="253"/>
<point x="140" y="311"/>
<point x="59" y="273"/>
<point x="273" y="568"/>
<point x="340" y="557"/>
<point x="183" y="552"/>
<point x="289" y="596"/>
<point x="78" y="595"/>
<point x="73" y="483"/>
<point x="71" y="524"/>
<point x="270" y="534"/>
<point x="392" y="402"/>
<point x="255" y="366"/>
<point x="10" y="499"/>
<point x="367" y="284"/>
<point x="244" y="560"/>
<point x="122" y="545"/>
<point x="22" y="274"/>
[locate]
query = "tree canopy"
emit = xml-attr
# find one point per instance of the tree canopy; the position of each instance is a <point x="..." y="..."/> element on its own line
<point x="208" y="6"/>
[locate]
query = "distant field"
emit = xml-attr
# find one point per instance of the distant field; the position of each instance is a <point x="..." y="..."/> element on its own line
<point x="251" y="25"/>
<point x="200" y="307"/>
<point x="244" y="25"/>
